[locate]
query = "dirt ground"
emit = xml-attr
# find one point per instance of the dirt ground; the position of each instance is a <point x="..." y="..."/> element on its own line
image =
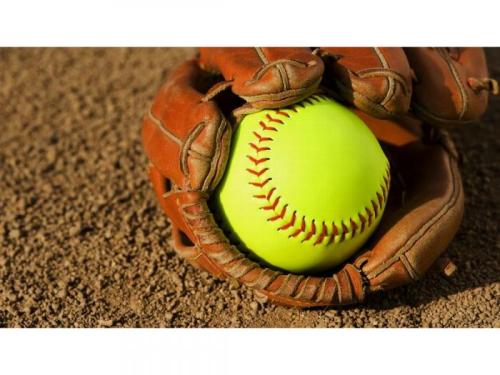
<point x="83" y="242"/>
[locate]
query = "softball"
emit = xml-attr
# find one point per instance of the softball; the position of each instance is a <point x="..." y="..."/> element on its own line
<point x="305" y="186"/>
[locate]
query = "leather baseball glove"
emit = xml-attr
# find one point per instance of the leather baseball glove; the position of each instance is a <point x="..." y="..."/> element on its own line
<point x="406" y="96"/>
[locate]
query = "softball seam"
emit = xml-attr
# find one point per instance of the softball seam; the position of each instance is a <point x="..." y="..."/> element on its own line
<point x="298" y="224"/>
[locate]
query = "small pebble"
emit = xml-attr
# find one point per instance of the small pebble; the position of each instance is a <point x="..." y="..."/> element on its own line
<point x="74" y="230"/>
<point x="14" y="234"/>
<point x="254" y="306"/>
<point x="331" y="314"/>
<point x="169" y="317"/>
<point x="106" y="323"/>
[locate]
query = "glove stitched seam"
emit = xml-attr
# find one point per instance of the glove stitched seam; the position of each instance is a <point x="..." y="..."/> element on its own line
<point x="215" y="159"/>
<point x="279" y="66"/>
<point x="461" y="88"/>
<point x="386" y="73"/>
<point x="164" y="129"/>
<point x="361" y="101"/>
<point x="281" y="94"/>
<point x="392" y="87"/>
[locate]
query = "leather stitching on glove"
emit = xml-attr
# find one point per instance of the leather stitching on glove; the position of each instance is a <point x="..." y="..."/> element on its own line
<point x="279" y="66"/>
<point x="392" y="87"/>
<point x="464" y="99"/>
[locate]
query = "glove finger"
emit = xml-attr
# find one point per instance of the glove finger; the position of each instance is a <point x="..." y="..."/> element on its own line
<point x="185" y="136"/>
<point x="265" y="77"/>
<point x="451" y="85"/>
<point x="375" y="80"/>
<point x="421" y="218"/>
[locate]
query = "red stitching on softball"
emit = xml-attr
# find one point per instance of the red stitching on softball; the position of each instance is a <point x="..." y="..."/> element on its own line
<point x="270" y="193"/>
<point x="380" y="199"/>
<point x="261" y="138"/>
<point x="273" y="205"/>
<point x="335" y="230"/>
<point x="311" y="232"/>
<point x="344" y="232"/>
<point x="265" y="127"/>
<point x="370" y="216"/>
<point x="260" y="184"/>
<point x="283" y="114"/>
<point x="332" y="234"/>
<point x="290" y="223"/>
<point x="301" y="229"/>
<point x="271" y="119"/>
<point x="354" y="226"/>
<point x="375" y="207"/>
<point x="363" y="222"/>
<point x="322" y="235"/>
<point x="257" y="173"/>
<point x="257" y="161"/>
<point x="260" y="196"/>
<point x="281" y="215"/>
<point x="257" y="148"/>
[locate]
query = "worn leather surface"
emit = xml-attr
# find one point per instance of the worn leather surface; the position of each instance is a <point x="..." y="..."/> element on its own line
<point x="187" y="133"/>
<point x="376" y="80"/>
<point x="195" y="132"/>
<point x="266" y="77"/>
<point x="451" y="85"/>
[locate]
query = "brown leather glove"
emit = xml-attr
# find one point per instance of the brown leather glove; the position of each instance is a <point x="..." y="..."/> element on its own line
<point x="187" y="136"/>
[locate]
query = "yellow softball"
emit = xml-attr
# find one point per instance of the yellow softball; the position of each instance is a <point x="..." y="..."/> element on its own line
<point x="305" y="186"/>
